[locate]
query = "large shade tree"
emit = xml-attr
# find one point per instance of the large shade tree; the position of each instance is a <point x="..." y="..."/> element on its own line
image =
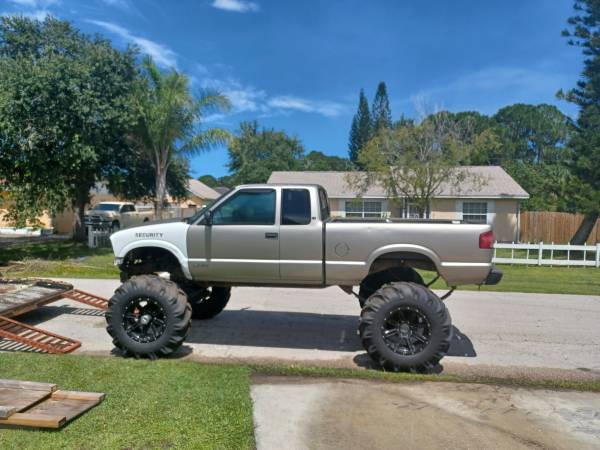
<point x="584" y="33"/>
<point x="254" y="153"/>
<point x="415" y="163"/>
<point x="65" y="110"/>
<point x="170" y="123"/>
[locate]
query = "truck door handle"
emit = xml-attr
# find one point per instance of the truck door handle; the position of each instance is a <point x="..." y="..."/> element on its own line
<point x="271" y="235"/>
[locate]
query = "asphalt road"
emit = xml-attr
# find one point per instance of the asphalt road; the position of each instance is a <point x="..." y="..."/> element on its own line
<point x="526" y="331"/>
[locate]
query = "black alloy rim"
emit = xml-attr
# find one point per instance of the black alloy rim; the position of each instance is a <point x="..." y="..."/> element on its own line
<point x="144" y="320"/>
<point x="406" y="331"/>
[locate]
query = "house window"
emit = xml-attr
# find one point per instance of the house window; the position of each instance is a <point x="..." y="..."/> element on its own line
<point x="474" y="212"/>
<point x="364" y="208"/>
<point x="411" y="212"/>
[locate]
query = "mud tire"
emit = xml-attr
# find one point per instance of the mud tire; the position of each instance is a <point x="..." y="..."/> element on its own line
<point x="172" y="300"/>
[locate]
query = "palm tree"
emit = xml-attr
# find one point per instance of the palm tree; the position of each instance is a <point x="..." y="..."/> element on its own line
<point x="170" y="121"/>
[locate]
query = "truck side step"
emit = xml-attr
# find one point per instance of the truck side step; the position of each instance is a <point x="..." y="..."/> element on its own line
<point x="36" y="338"/>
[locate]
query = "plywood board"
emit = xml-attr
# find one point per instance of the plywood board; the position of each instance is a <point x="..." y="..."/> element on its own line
<point x="22" y="295"/>
<point x="55" y="410"/>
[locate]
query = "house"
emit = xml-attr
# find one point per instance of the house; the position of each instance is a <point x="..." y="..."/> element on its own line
<point x="490" y="195"/>
<point x="199" y="195"/>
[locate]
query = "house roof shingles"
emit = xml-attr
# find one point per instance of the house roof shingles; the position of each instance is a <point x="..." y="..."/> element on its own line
<point x="201" y="190"/>
<point x="495" y="183"/>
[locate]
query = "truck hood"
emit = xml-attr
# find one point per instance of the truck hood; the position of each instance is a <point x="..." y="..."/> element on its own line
<point x="170" y="235"/>
<point x="94" y="212"/>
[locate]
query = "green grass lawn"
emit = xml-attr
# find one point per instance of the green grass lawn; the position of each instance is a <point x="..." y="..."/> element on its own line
<point x="57" y="258"/>
<point x="160" y="404"/>
<point x="548" y="280"/>
<point x="67" y="259"/>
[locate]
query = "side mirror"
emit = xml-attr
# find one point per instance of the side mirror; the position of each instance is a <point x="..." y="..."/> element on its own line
<point x="208" y="218"/>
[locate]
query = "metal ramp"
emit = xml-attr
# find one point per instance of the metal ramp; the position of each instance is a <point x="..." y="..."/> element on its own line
<point x="20" y="296"/>
<point x="87" y="298"/>
<point x="36" y="338"/>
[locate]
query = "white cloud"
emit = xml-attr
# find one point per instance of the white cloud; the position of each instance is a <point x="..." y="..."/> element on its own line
<point x="38" y="14"/>
<point x="324" y="108"/>
<point x="489" y="88"/>
<point x="240" y="6"/>
<point x="162" y="55"/>
<point x="243" y="98"/>
<point x="33" y="9"/>
<point x="36" y="4"/>
<point x="249" y="99"/>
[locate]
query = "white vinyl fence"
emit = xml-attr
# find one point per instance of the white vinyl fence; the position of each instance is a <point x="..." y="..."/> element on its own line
<point x="541" y="254"/>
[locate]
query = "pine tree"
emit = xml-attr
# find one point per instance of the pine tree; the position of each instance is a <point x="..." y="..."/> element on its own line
<point x="361" y="129"/>
<point x="586" y="142"/>
<point x="382" y="115"/>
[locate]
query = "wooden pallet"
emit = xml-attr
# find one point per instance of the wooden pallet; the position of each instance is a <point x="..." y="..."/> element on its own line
<point x="41" y="405"/>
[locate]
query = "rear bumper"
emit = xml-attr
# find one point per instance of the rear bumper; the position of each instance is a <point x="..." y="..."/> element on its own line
<point x="494" y="276"/>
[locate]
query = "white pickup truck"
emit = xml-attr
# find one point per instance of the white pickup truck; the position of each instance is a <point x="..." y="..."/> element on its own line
<point x="283" y="235"/>
<point x="116" y="215"/>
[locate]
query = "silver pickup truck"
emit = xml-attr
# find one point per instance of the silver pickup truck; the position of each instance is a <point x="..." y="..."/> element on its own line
<point x="283" y="235"/>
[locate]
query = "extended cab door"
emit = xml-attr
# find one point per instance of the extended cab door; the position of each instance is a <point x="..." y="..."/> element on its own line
<point x="301" y="234"/>
<point x="128" y="216"/>
<point x="242" y="243"/>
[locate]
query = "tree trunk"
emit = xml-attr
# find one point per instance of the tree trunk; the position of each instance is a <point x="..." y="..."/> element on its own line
<point x="79" y="233"/>
<point x="161" y="181"/>
<point x="584" y="230"/>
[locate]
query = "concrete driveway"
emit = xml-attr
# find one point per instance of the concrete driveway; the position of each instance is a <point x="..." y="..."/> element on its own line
<point x="352" y="414"/>
<point x="525" y="331"/>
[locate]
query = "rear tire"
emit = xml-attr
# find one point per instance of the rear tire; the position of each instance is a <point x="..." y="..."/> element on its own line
<point x="208" y="302"/>
<point x="405" y="327"/>
<point x="374" y="281"/>
<point x="148" y="316"/>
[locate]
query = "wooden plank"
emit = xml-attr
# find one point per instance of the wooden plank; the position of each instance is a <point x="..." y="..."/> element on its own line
<point x="22" y="295"/>
<point x="82" y="396"/>
<point x="6" y="411"/>
<point x="21" y="399"/>
<point x="28" y="385"/>
<point x="34" y="420"/>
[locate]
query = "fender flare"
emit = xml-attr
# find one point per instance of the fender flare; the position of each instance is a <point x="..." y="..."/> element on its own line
<point x="160" y="244"/>
<point x="412" y="248"/>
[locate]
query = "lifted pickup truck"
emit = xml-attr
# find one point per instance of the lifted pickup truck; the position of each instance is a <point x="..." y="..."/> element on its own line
<point x="116" y="215"/>
<point x="283" y="235"/>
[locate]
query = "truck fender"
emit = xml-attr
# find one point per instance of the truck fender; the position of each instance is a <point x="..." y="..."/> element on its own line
<point x="183" y="262"/>
<point x="393" y="248"/>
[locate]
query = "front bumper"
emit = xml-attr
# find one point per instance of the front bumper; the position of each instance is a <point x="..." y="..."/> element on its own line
<point x="494" y="276"/>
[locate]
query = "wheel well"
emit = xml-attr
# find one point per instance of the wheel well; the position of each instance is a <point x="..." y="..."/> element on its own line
<point x="148" y="260"/>
<point x="403" y="259"/>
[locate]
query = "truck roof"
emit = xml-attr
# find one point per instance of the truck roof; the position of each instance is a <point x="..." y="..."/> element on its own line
<point x="114" y="203"/>
<point x="262" y="185"/>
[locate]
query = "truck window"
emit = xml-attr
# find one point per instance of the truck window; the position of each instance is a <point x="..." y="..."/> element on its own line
<point x="295" y="207"/>
<point x="128" y="208"/>
<point x="247" y="207"/>
<point x="324" y="204"/>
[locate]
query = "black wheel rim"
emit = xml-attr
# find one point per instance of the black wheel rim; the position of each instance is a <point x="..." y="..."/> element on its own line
<point x="406" y="331"/>
<point x="144" y="320"/>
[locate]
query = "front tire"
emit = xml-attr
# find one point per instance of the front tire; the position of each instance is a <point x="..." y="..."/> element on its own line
<point x="405" y="327"/>
<point x="148" y="316"/>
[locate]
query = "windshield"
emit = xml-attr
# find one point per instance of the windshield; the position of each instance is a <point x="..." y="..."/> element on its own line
<point x="201" y="211"/>
<point x="107" y="207"/>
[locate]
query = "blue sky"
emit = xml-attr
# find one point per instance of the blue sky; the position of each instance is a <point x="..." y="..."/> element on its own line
<point x="298" y="65"/>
